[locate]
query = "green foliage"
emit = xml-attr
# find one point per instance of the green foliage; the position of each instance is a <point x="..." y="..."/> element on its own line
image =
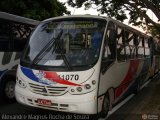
<point x="134" y="10"/>
<point x="35" y="9"/>
<point x="154" y="31"/>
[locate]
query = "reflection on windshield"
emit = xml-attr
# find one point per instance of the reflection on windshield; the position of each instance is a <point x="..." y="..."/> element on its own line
<point x="66" y="43"/>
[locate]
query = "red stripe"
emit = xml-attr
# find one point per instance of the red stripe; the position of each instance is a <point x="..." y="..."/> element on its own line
<point x="133" y="67"/>
<point x="53" y="76"/>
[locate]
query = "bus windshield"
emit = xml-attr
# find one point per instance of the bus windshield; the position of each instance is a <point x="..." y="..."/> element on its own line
<point x="66" y="43"/>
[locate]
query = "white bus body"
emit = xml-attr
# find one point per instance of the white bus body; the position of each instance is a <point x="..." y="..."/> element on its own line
<point x="93" y="87"/>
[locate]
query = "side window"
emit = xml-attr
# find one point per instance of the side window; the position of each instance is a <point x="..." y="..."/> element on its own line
<point x="13" y="36"/>
<point x="147" y="49"/>
<point x="4" y="36"/>
<point x="140" y="48"/>
<point x="4" y="43"/>
<point x="20" y="34"/>
<point x="111" y="40"/>
<point x="129" y="44"/>
<point x="135" y="45"/>
<point x="19" y="44"/>
<point x="109" y="47"/>
<point x="121" y="50"/>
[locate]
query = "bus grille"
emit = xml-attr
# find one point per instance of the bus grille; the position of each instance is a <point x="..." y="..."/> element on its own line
<point x="47" y="90"/>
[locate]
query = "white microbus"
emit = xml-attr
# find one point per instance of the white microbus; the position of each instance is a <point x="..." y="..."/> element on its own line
<point x="82" y="64"/>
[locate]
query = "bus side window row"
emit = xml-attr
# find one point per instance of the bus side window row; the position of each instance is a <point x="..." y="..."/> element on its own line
<point x="13" y="36"/>
<point x="131" y="45"/>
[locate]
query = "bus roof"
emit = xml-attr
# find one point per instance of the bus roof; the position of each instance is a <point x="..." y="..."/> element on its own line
<point x="76" y="16"/>
<point x="15" y="18"/>
<point x="100" y="17"/>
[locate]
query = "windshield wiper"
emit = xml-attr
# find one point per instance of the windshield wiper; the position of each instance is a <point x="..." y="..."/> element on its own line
<point x="46" y="47"/>
<point x="54" y="42"/>
<point x="62" y="55"/>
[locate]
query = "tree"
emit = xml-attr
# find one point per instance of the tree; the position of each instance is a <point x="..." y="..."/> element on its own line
<point x="137" y="10"/>
<point x="35" y="9"/>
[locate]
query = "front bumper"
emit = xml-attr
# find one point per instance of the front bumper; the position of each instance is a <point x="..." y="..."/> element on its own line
<point x="81" y="104"/>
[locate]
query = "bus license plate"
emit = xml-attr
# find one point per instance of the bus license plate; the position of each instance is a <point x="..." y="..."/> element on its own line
<point x="44" y="102"/>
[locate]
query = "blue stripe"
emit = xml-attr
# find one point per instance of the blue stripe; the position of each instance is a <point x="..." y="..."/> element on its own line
<point x="29" y="73"/>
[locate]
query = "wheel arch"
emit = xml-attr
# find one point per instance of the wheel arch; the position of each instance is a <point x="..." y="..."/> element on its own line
<point x="9" y="73"/>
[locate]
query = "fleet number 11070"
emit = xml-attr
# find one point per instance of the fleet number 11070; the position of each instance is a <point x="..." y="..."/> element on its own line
<point x="69" y="77"/>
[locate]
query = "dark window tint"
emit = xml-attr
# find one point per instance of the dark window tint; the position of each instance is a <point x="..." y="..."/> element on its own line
<point x="111" y="39"/>
<point x="4" y="36"/>
<point x="121" y="50"/>
<point x="140" y="48"/>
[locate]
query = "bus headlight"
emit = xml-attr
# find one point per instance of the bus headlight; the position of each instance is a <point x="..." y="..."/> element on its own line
<point x="87" y="86"/>
<point x="93" y="82"/>
<point x="21" y="83"/>
<point x="84" y="88"/>
<point x="79" y="89"/>
<point x="72" y="90"/>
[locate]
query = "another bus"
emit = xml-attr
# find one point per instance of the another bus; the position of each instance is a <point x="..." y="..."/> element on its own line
<point x="14" y="32"/>
<point x="83" y="64"/>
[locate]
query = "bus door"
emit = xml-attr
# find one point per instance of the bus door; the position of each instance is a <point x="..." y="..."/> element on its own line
<point x="109" y="48"/>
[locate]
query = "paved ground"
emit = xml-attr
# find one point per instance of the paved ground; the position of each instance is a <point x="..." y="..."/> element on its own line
<point x="145" y="104"/>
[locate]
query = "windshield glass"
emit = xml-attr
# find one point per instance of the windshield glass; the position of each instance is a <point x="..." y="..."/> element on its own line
<point x="62" y="43"/>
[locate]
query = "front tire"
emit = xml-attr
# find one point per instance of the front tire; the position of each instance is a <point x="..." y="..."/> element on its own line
<point x="7" y="92"/>
<point x="105" y="106"/>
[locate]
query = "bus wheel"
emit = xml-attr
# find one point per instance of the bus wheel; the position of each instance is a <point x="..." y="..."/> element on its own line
<point x="105" y="106"/>
<point x="9" y="90"/>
